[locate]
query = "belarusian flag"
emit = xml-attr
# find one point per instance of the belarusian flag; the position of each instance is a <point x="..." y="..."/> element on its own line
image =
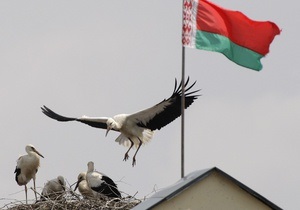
<point x="244" y="41"/>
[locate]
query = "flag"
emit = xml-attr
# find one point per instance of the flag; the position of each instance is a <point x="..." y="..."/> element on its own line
<point x="244" y="41"/>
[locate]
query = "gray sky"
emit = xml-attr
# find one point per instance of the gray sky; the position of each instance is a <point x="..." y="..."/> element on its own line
<point x="102" y="58"/>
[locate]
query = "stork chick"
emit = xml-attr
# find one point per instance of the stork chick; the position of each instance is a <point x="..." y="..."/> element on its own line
<point x="101" y="183"/>
<point x="27" y="167"/>
<point x="54" y="188"/>
<point x="83" y="187"/>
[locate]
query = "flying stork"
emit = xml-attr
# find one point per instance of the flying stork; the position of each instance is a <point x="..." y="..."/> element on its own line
<point x="27" y="167"/>
<point x="101" y="183"/>
<point x="137" y="129"/>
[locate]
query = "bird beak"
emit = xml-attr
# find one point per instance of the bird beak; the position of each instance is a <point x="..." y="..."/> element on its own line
<point x="108" y="129"/>
<point x="76" y="186"/>
<point x="39" y="153"/>
<point x="62" y="185"/>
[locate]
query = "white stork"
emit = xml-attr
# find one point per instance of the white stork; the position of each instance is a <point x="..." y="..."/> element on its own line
<point x="27" y="167"/>
<point x="101" y="183"/>
<point x="54" y="188"/>
<point x="83" y="187"/>
<point x="137" y="129"/>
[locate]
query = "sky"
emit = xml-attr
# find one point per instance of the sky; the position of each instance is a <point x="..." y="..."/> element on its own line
<point x="102" y="58"/>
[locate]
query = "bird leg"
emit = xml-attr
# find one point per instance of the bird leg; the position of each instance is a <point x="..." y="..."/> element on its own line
<point x="34" y="189"/>
<point x="126" y="156"/>
<point x="133" y="159"/>
<point x="26" y="193"/>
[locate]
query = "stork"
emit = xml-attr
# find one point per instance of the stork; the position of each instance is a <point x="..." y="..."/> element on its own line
<point x="137" y="129"/>
<point x="27" y="167"/>
<point x="101" y="183"/>
<point x="83" y="187"/>
<point x="54" y="188"/>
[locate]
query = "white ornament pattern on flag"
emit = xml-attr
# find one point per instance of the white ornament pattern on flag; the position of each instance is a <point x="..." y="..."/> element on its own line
<point x="189" y="23"/>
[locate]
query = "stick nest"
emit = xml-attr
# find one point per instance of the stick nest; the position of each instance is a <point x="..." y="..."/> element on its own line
<point x="71" y="200"/>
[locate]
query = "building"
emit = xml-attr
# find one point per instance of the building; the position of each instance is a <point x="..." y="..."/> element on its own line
<point x="209" y="189"/>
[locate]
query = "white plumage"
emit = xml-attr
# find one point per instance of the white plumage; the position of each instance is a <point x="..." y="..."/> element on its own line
<point x="101" y="183"/>
<point x="27" y="167"/>
<point x="54" y="189"/>
<point x="137" y="129"/>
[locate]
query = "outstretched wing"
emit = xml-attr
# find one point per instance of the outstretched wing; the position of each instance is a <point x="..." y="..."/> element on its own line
<point x="166" y="111"/>
<point x="97" y="122"/>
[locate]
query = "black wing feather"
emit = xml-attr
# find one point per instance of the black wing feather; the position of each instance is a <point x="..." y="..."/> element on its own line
<point x="108" y="188"/>
<point x="56" y="116"/>
<point x="17" y="172"/>
<point x="61" y="118"/>
<point x="172" y="111"/>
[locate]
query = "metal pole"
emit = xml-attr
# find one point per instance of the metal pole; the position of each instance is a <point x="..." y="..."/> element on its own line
<point x="184" y="18"/>
<point x="182" y="111"/>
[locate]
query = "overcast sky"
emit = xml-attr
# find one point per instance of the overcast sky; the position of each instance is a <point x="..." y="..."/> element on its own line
<point x="102" y="58"/>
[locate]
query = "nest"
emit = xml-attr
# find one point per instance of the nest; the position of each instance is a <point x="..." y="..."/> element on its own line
<point x="71" y="200"/>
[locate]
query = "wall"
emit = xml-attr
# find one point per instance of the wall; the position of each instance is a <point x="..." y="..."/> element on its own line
<point x="213" y="193"/>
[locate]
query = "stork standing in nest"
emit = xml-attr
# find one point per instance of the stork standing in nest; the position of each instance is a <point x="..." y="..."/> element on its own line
<point x="27" y="167"/>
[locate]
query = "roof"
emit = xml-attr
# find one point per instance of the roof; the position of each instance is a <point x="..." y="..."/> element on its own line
<point x="187" y="181"/>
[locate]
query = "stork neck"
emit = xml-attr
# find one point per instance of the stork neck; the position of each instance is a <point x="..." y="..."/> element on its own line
<point x="118" y="121"/>
<point x="31" y="153"/>
<point x="90" y="167"/>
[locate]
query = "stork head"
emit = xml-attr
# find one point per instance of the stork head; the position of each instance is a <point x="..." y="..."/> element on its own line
<point x="80" y="178"/>
<point x="61" y="181"/>
<point x="111" y="123"/>
<point x="30" y="148"/>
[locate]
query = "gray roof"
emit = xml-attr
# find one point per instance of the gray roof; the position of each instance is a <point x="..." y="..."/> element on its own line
<point x="196" y="176"/>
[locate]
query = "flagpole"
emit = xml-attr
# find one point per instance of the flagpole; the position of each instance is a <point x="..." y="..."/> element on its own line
<point x="182" y="110"/>
<point x="182" y="99"/>
<point x="183" y="90"/>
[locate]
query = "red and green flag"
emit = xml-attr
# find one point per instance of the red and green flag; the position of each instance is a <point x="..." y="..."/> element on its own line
<point x="244" y="41"/>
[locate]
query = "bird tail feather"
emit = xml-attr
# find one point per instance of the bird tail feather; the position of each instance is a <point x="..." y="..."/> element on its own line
<point x="123" y="140"/>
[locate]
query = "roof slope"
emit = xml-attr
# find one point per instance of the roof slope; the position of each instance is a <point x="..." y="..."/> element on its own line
<point x="189" y="180"/>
